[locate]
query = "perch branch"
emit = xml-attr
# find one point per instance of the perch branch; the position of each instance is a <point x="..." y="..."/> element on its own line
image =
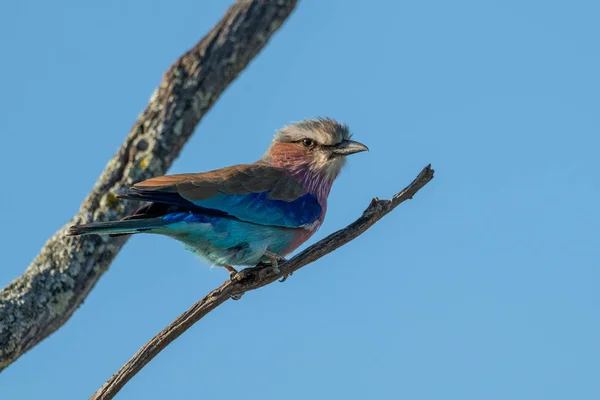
<point x="254" y="278"/>
<point x="41" y="300"/>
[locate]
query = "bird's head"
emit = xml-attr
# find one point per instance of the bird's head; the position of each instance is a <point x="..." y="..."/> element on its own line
<point x="321" y="145"/>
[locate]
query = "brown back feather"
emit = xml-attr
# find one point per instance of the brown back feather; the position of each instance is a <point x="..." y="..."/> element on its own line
<point x="235" y="180"/>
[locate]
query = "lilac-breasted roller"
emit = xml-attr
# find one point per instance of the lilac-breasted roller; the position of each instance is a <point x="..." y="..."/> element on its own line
<point x="245" y="214"/>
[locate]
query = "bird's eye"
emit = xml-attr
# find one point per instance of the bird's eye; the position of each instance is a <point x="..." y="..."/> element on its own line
<point x="308" y="142"/>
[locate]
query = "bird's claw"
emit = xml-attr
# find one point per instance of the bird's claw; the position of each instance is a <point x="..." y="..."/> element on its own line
<point x="275" y="259"/>
<point x="232" y="272"/>
<point x="236" y="296"/>
<point x="283" y="279"/>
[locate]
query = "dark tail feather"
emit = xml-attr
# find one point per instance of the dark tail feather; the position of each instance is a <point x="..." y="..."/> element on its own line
<point x="117" y="228"/>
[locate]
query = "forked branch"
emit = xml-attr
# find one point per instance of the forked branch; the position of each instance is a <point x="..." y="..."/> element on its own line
<point x="254" y="278"/>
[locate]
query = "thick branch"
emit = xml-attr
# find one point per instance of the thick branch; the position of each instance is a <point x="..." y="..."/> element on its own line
<point x="67" y="268"/>
<point x="254" y="278"/>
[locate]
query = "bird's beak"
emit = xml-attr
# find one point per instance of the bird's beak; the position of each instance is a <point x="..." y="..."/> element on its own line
<point x="348" y="147"/>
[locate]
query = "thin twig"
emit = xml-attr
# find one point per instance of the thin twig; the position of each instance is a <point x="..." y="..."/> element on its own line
<point x="254" y="278"/>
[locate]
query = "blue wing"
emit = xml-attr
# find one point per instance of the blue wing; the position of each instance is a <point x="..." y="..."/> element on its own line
<point x="254" y="193"/>
<point x="259" y="209"/>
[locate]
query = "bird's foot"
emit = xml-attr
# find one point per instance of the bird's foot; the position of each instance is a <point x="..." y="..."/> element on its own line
<point x="275" y="259"/>
<point x="232" y="274"/>
<point x="232" y="271"/>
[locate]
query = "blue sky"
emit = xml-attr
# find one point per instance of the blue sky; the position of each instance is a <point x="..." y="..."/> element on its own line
<point x="485" y="286"/>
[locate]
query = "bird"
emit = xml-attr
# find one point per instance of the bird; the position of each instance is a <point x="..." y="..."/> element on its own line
<point x="246" y="214"/>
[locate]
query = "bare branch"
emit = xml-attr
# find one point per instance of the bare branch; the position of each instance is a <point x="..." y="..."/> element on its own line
<point x="67" y="268"/>
<point x="254" y="278"/>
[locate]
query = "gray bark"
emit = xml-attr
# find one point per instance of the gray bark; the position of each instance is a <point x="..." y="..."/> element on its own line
<point x="67" y="268"/>
<point x="254" y="278"/>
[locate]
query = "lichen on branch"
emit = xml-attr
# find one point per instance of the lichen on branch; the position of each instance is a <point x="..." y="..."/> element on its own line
<point x="41" y="300"/>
